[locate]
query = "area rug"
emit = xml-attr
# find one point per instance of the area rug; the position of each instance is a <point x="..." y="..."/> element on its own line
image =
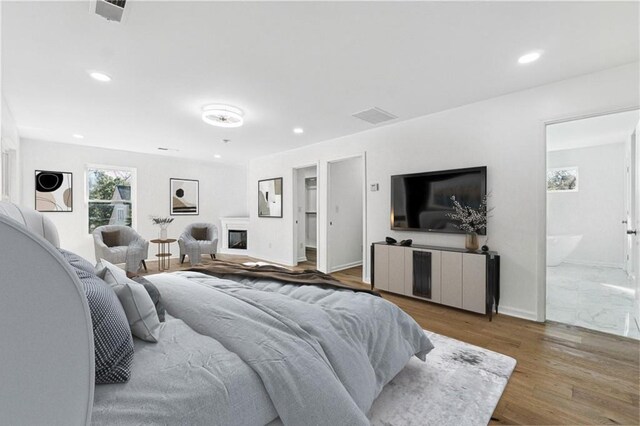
<point x="459" y="384"/>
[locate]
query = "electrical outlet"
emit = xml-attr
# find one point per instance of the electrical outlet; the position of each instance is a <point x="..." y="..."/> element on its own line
<point x="269" y="245"/>
<point x="374" y="187"/>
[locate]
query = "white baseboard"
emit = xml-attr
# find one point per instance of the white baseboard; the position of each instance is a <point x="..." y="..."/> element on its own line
<point x="518" y="313"/>
<point x="345" y="266"/>
<point x="311" y="247"/>
<point x="302" y="259"/>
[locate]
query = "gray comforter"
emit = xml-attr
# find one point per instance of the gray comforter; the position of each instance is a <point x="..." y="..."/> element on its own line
<point x="322" y="355"/>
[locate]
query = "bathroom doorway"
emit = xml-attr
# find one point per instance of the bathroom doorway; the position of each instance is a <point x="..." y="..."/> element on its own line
<point x="591" y="219"/>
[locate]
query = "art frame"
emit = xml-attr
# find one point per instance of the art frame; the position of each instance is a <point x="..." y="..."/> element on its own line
<point x="184" y="197"/>
<point x="270" y="197"/>
<point x="53" y="191"/>
<point x="563" y="179"/>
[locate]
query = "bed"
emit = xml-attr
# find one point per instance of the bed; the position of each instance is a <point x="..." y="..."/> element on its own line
<point x="241" y="351"/>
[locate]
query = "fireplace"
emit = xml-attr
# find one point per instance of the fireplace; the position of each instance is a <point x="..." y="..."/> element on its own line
<point x="238" y="239"/>
<point x="234" y="235"/>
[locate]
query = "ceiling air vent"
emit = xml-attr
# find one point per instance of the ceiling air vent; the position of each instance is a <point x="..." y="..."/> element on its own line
<point x="374" y="115"/>
<point x="112" y="10"/>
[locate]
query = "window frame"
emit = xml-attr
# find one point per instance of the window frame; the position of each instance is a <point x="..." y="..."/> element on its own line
<point x="134" y="190"/>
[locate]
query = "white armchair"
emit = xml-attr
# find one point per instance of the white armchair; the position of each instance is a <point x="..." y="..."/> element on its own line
<point x="194" y="246"/>
<point x="130" y="248"/>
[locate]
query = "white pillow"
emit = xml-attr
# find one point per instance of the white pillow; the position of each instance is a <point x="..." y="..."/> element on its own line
<point x="138" y="306"/>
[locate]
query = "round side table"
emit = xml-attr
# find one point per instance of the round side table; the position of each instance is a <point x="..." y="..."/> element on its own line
<point x="163" y="255"/>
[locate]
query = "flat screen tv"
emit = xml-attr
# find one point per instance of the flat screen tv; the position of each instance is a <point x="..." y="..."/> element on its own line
<point x="421" y="201"/>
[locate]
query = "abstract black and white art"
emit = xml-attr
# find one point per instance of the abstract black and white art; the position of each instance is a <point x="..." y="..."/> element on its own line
<point x="184" y="198"/>
<point x="54" y="191"/>
<point x="270" y="197"/>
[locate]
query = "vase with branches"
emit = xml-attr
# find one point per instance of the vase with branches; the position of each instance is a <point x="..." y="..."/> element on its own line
<point x="163" y="223"/>
<point x="470" y="220"/>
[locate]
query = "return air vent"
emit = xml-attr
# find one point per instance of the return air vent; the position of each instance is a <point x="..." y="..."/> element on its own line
<point x="374" y="115"/>
<point x="111" y="10"/>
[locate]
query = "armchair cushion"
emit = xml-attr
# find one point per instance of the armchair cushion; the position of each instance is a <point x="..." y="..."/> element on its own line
<point x="111" y="238"/>
<point x="199" y="234"/>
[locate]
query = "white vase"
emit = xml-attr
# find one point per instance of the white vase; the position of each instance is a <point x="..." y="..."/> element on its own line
<point x="163" y="233"/>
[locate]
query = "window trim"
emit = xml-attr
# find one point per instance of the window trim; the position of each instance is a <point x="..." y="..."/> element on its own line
<point x="134" y="190"/>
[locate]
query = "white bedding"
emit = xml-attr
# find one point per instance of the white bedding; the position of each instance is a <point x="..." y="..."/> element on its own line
<point x="251" y="351"/>
<point x="188" y="379"/>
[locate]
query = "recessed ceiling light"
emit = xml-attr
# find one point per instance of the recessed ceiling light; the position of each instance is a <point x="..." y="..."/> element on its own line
<point x="217" y="156"/>
<point x="222" y="115"/>
<point x="298" y="130"/>
<point x="78" y="136"/>
<point x="99" y="76"/>
<point x="529" y="57"/>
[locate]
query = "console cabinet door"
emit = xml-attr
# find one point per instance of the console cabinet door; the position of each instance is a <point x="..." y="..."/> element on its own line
<point x="435" y="274"/>
<point x="396" y="268"/>
<point x="474" y="279"/>
<point x="451" y="282"/>
<point x="381" y="266"/>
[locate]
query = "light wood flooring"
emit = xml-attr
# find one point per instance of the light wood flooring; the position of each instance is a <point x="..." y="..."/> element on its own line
<point x="565" y="374"/>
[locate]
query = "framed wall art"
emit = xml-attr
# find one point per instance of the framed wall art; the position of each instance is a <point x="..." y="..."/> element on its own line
<point x="184" y="197"/>
<point x="53" y="191"/>
<point x="270" y="197"/>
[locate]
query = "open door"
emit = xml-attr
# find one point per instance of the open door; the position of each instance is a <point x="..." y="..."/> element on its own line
<point x="631" y="216"/>
<point x="345" y="214"/>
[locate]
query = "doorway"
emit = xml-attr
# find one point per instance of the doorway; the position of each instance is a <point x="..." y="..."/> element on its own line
<point x="591" y="218"/>
<point x="345" y="215"/>
<point x="306" y="216"/>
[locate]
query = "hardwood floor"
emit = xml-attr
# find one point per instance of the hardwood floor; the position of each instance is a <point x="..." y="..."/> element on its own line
<point x="565" y="374"/>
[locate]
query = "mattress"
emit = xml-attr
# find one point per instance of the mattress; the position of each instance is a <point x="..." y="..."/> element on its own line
<point x="184" y="379"/>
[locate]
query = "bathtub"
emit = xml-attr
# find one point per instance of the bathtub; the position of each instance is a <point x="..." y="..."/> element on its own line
<point x="559" y="247"/>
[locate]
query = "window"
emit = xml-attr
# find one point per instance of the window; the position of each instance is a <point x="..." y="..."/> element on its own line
<point x="111" y="192"/>
<point x="562" y="179"/>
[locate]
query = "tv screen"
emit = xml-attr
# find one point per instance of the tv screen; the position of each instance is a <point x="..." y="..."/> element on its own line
<point x="421" y="201"/>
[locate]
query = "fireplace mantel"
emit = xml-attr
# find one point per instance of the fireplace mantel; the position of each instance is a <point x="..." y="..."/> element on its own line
<point x="234" y="224"/>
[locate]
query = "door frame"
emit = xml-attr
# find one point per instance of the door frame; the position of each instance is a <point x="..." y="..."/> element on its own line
<point x="294" y="207"/>
<point x="542" y="243"/>
<point x="363" y="156"/>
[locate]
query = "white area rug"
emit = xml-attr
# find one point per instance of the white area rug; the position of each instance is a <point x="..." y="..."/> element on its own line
<point x="459" y="384"/>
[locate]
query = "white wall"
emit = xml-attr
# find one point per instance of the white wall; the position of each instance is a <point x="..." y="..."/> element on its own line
<point x="222" y="189"/>
<point x="596" y="210"/>
<point x="507" y="134"/>
<point x="345" y="214"/>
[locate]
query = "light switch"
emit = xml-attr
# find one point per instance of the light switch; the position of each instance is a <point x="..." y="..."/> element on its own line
<point x="374" y="187"/>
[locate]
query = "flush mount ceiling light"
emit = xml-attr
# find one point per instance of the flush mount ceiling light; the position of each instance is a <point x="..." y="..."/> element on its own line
<point x="99" y="76"/>
<point x="529" y="57"/>
<point x="298" y="130"/>
<point x="77" y="136"/>
<point x="222" y="115"/>
<point x="217" y="156"/>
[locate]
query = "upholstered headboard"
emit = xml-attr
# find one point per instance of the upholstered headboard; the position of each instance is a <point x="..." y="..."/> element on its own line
<point x="46" y="355"/>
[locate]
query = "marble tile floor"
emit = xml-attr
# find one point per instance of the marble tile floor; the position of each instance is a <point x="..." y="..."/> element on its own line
<point x="597" y="298"/>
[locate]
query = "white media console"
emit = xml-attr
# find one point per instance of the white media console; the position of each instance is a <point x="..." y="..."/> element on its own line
<point x="459" y="278"/>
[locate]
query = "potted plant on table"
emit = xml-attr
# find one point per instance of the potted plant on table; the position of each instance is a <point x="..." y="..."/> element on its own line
<point x="163" y="223"/>
<point x="470" y="220"/>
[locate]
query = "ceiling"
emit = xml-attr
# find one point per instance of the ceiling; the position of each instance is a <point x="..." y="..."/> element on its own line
<point x="593" y="131"/>
<point x="305" y="64"/>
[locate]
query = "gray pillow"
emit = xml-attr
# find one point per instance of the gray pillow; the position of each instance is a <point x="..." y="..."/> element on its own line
<point x="138" y="306"/>
<point x="78" y="262"/>
<point x="154" y="294"/>
<point x="199" y="234"/>
<point x="111" y="238"/>
<point x="112" y="339"/>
